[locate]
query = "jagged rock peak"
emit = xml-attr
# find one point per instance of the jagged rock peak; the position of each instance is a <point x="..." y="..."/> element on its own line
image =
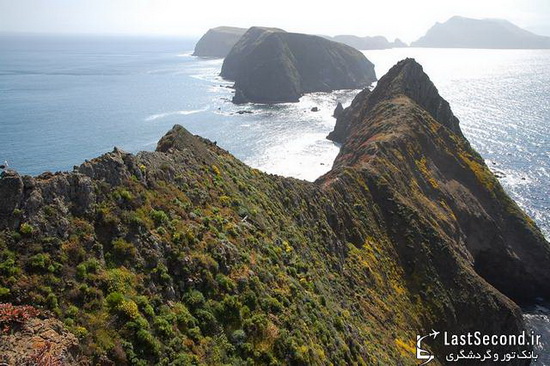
<point x="408" y="77"/>
<point x="180" y="139"/>
<point x="338" y="110"/>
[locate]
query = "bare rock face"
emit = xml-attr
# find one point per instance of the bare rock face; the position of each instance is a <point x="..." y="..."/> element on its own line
<point x="39" y="341"/>
<point x="11" y="190"/>
<point x="113" y="167"/>
<point x="272" y="66"/>
<point x="217" y="42"/>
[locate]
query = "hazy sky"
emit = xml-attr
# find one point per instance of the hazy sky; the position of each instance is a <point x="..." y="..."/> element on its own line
<point x="407" y="20"/>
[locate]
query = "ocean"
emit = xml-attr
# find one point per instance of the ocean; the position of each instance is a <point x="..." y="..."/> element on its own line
<point x="64" y="99"/>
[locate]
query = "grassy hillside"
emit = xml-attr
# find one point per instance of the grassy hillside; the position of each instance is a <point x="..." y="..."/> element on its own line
<point x="186" y="256"/>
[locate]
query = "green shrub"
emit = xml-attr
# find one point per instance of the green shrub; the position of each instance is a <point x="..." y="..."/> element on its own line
<point x="148" y="344"/>
<point x="71" y="312"/>
<point x="126" y="195"/>
<point x="163" y="327"/>
<point x="159" y="217"/>
<point x="226" y="284"/>
<point x="8" y="266"/>
<point x="4" y="291"/>
<point x="272" y="304"/>
<point x="194" y="299"/>
<point x="81" y="272"/>
<point x="256" y="325"/>
<point x="144" y="306"/>
<point x="16" y="236"/>
<point x="238" y="337"/>
<point x="123" y="250"/>
<point x="114" y="299"/>
<point x="92" y="265"/>
<point x="194" y="333"/>
<point x="26" y="229"/>
<point x="207" y="321"/>
<point x="39" y="262"/>
<point x="225" y="201"/>
<point x="230" y="309"/>
<point x="51" y="301"/>
<point x="184" y="319"/>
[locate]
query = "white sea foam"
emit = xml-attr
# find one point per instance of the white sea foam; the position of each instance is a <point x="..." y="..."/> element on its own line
<point x="154" y="117"/>
<point x="305" y="157"/>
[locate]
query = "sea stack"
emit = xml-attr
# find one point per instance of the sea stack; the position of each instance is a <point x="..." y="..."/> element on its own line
<point x="217" y="42"/>
<point x="272" y="66"/>
<point x="338" y="110"/>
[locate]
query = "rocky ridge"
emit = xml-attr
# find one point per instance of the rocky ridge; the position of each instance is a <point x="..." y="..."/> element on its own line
<point x="187" y="255"/>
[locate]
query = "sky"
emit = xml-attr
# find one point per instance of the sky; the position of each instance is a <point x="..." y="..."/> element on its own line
<point x="407" y="20"/>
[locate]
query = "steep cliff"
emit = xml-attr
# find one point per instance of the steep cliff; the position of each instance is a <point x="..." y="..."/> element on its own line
<point x="217" y="42"/>
<point x="272" y="66"/>
<point x="487" y="227"/>
<point x="186" y="255"/>
<point x="460" y="32"/>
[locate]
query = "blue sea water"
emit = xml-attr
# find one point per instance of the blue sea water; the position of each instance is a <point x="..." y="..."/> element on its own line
<point x="64" y="99"/>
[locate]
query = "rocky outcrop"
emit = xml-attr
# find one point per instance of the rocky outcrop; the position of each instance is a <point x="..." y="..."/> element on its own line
<point x="191" y="257"/>
<point x="346" y="116"/>
<point x="460" y="32"/>
<point x="273" y="66"/>
<point x="406" y="78"/>
<point x="217" y="42"/>
<point x="11" y="190"/>
<point x="338" y="110"/>
<point x="37" y="341"/>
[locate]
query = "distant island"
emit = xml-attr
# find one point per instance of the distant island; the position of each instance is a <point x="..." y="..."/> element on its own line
<point x="270" y="65"/>
<point x="460" y="32"/>
<point x="368" y="43"/>
<point x="217" y="42"/>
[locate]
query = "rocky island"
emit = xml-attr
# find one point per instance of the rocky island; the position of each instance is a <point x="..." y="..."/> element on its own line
<point x="217" y="42"/>
<point x="272" y="66"/>
<point x="185" y="255"/>
<point x="368" y="43"/>
<point x="460" y="32"/>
